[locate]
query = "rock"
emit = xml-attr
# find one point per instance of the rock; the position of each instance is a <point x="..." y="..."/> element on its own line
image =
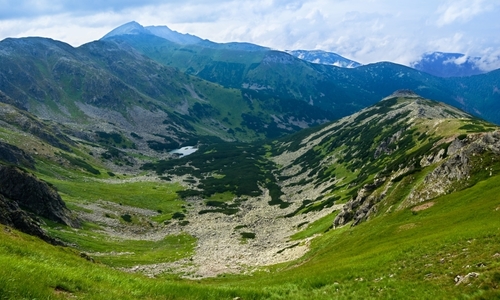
<point x="361" y="207"/>
<point x="13" y="155"/>
<point x="86" y="256"/>
<point x="34" y="195"/>
<point x="383" y="147"/>
<point x="12" y="215"/>
<point x="457" y="167"/>
<point x="465" y="279"/>
<point x="8" y="100"/>
<point x="455" y="146"/>
<point x="21" y="192"/>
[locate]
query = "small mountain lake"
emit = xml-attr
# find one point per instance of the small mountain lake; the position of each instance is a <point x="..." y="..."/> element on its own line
<point x="184" y="151"/>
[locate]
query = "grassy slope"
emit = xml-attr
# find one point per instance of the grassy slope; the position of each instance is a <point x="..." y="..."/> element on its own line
<point x="399" y="255"/>
<point x="402" y="255"/>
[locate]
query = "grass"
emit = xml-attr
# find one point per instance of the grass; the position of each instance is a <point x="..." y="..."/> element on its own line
<point x="128" y="253"/>
<point x="32" y="269"/>
<point x="317" y="227"/>
<point x="149" y="195"/>
<point x="223" y="197"/>
<point x="402" y="255"/>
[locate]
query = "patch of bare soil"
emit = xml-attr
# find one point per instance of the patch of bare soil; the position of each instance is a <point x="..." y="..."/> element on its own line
<point x="423" y="206"/>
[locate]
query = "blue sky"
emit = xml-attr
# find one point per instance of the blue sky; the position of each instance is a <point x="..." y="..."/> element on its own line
<point x="364" y="30"/>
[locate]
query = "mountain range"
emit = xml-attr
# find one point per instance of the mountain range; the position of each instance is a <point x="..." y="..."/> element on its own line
<point x="268" y="72"/>
<point x="303" y="180"/>
<point x="435" y="63"/>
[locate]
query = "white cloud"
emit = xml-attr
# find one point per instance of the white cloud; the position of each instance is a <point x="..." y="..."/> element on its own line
<point x="490" y="59"/>
<point x="362" y="30"/>
<point x="460" y="60"/>
<point x="452" y="43"/>
<point x="463" y="10"/>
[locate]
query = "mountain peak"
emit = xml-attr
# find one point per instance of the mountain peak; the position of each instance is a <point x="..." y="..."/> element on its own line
<point x="134" y="28"/>
<point x="129" y="28"/>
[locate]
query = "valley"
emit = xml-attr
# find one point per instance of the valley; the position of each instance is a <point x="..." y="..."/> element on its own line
<point x="139" y="167"/>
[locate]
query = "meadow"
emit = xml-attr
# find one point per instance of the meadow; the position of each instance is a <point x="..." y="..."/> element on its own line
<point x="405" y="254"/>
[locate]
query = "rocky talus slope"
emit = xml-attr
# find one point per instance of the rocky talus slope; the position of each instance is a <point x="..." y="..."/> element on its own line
<point x="362" y="159"/>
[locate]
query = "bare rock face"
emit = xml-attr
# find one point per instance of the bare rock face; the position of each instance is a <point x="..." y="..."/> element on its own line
<point x="12" y="215"/>
<point x="361" y="207"/>
<point x="13" y="155"/>
<point x="34" y="195"/>
<point x="6" y="99"/>
<point x="457" y="169"/>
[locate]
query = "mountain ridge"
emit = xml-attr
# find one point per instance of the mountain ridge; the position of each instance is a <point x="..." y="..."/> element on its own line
<point x="448" y="64"/>
<point x="274" y="73"/>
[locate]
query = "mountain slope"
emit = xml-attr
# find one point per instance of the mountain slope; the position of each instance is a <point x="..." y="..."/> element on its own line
<point x="243" y="208"/>
<point x="93" y="86"/>
<point x="364" y="157"/>
<point x="246" y="207"/>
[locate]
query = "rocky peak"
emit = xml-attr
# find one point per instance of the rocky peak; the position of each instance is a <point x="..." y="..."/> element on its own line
<point x="128" y="28"/>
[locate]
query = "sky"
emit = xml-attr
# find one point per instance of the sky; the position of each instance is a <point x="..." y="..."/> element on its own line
<point x="366" y="31"/>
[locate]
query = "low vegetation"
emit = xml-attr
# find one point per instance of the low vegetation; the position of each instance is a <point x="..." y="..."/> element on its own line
<point x="442" y="248"/>
<point x="405" y="255"/>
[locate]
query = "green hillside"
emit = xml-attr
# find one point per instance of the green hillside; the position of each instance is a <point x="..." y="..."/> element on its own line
<point x="405" y="255"/>
<point x="306" y="181"/>
<point x="396" y="201"/>
<point x="92" y="88"/>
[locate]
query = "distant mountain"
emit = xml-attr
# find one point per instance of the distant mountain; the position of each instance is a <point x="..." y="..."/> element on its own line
<point x="173" y="36"/>
<point x="128" y="28"/>
<point x="325" y="58"/>
<point x="113" y="88"/>
<point x="134" y="28"/>
<point x="266" y="76"/>
<point x="448" y="64"/>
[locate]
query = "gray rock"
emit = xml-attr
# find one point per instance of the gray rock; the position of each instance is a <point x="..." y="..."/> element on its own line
<point x="13" y="155"/>
<point x="12" y="215"/>
<point x="34" y="195"/>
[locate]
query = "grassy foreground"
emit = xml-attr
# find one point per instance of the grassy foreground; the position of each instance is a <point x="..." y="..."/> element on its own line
<point x="400" y="255"/>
